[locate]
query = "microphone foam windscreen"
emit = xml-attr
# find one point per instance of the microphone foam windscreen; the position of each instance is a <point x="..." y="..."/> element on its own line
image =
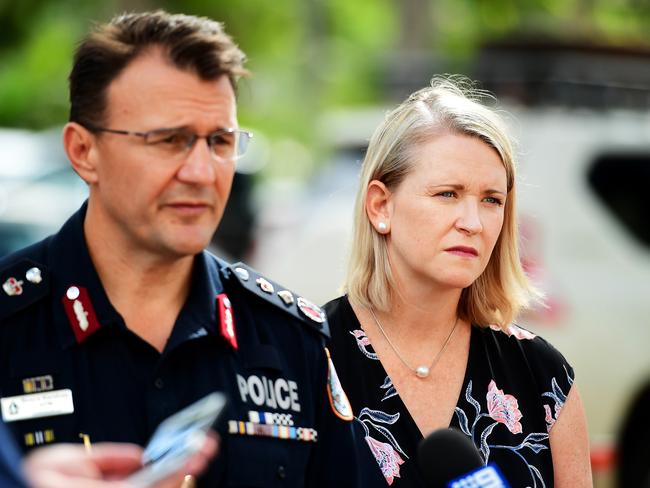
<point x="446" y="454"/>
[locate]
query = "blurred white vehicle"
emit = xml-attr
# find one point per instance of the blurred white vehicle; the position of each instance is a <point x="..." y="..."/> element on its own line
<point x="38" y="188"/>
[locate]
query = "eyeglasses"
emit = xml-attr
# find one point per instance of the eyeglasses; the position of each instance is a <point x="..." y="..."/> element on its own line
<point x="225" y="144"/>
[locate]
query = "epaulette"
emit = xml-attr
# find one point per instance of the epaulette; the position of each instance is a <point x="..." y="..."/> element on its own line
<point x="23" y="283"/>
<point x="279" y="296"/>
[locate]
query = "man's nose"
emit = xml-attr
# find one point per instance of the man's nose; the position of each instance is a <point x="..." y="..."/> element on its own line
<point x="199" y="164"/>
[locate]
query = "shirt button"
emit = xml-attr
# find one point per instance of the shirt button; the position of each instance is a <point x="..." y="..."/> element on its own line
<point x="282" y="472"/>
<point x="159" y="383"/>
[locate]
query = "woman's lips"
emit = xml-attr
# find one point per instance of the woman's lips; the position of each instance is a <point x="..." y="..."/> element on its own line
<point x="463" y="251"/>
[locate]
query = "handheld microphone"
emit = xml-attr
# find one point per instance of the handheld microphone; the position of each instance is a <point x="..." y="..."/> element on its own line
<point x="448" y="459"/>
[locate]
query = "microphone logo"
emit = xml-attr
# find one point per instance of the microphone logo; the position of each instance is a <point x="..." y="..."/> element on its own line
<point x="485" y="477"/>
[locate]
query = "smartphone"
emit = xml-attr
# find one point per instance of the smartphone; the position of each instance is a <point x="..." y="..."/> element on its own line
<point x="177" y="439"/>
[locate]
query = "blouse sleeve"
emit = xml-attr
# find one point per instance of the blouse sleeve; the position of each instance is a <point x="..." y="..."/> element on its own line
<point x="553" y="374"/>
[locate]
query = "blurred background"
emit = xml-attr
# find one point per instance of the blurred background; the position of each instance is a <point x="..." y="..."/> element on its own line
<point x="573" y="75"/>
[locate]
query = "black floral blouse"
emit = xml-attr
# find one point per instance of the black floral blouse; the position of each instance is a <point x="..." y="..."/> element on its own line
<point x="514" y="388"/>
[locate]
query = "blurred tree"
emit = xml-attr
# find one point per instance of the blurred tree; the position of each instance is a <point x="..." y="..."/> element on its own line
<point x="37" y="40"/>
<point x="306" y="55"/>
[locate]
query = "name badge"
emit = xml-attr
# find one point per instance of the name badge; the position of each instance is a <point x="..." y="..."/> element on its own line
<point x="37" y="405"/>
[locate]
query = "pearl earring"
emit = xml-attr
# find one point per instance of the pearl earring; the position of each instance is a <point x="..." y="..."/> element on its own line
<point x="382" y="226"/>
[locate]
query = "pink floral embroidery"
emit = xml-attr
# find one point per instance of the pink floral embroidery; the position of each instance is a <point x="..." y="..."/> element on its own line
<point x="520" y="333"/>
<point x="514" y="330"/>
<point x="551" y="418"/>
<point x="388" y="459"/>
<point x="360" y="335"/>
<point x="504" y="408"/>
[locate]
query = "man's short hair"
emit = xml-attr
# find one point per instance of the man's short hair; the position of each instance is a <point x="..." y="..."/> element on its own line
<point x="191" y="43"/>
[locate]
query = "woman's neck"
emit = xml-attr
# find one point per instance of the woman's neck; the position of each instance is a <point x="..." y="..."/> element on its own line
<point x="421" y="313"/>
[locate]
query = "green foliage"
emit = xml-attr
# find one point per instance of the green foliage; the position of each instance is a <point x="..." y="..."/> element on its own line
<point x="359" y="35"/>
<point x="38" y="38"/>
<point x="33" y="83"/>
<point x="307" y="56"/>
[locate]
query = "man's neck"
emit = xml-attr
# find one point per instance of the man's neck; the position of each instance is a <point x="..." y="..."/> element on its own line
<point x="146" y="289"/>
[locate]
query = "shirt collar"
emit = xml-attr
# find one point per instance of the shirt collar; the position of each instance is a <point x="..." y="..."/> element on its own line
<point x="198" y="317"/>
<point x="71" y="266"/>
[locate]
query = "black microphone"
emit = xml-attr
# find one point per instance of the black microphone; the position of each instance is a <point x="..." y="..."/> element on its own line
<point x="447" y="458"/>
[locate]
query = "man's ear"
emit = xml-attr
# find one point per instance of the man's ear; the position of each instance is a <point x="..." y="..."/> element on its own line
<point x="80" y="145"/>
<point x="379" y="206"/>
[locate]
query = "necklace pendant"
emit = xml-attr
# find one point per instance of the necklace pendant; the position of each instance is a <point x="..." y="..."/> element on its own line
<point x="422" y="372"/>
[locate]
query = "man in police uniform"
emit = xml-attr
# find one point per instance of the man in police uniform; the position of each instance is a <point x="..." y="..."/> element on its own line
<point x="121" y="318"/>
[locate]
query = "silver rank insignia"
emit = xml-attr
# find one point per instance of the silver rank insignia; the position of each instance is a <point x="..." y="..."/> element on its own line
<point x="310" y="310"/>
<point x="265" y="285"/>
<point x="242" y="273"/>
<point x="286" y="296"/>
<point x="33" y="275"/>
<point x="13" y="287"/>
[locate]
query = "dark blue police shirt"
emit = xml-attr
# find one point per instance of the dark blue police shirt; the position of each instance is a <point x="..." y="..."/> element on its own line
<point x="10" y="462"/>
<point x="122" y="387"/>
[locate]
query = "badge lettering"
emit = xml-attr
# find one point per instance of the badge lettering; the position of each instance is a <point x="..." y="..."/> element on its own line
<point x="256" y="390"/>
<point x="293" y="393"/>
<point x="270" y="393"/>
<point x="283" y="400"/>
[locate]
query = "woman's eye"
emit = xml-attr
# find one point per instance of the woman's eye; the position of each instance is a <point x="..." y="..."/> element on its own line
<point x="493" y="200"/>
<point x="447" y="194"/>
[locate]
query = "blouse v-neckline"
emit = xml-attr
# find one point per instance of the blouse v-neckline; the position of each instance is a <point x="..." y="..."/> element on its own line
<point x="411" y="425"/>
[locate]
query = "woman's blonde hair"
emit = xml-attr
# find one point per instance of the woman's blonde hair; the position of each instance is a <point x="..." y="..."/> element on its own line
<point x="449" y="105"/>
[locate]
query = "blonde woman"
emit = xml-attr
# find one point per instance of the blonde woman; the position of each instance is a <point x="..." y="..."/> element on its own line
<point x="424" y="336"/>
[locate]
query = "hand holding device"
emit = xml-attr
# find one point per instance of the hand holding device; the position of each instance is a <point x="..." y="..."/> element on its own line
<point x="177" y="439"/>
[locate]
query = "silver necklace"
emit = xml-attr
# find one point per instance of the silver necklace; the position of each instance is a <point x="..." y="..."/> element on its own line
<point x="421" y="371"/>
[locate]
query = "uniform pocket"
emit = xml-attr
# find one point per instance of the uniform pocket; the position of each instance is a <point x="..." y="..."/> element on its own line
<point x="255" y="462"/>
